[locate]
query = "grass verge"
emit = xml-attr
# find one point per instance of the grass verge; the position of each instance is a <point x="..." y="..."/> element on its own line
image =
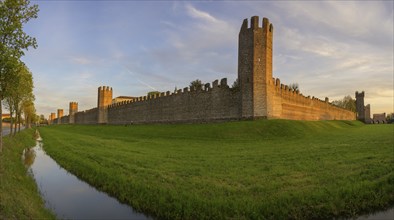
<point x="19" y="196"/>
<point x="268" y="169"/>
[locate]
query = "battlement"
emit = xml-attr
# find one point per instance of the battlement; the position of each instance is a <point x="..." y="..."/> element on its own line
<point x="254" y="24"/>
<point x="360" y="94"/>
<point x="204" y="88"/>
<point x="286" y="93"/>
<point x="104" y="88"/>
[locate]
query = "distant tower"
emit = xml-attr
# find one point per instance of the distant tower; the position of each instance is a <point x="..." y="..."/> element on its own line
<point x="59" y="115"/>
<point x="255" y="67"/>
<point x="104" y="98"/>
<point x="360" y="109"/>
<point x="367" y="114"/>
<point x="53" y="116"/>
<point x="72" y="110"/>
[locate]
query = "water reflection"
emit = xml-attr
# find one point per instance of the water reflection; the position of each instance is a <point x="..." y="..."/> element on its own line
<point x="28" y="156"/>
<point x="383" y="215"/>
<point x="69" y="197"/>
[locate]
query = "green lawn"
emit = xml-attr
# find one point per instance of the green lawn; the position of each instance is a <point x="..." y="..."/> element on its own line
<point x="266" y="169"/>
<point x="19" y="197"/>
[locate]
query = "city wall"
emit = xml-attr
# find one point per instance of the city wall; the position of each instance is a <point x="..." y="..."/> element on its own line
<point x="290" y="104"/>
<point x="216" y="103"/>
<point x="86" y="117"/>
<point x="258" y="95"/>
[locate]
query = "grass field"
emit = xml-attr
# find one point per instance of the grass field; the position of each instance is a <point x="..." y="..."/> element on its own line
<point x="19" y="197"/>
<point x="266" y="169"/>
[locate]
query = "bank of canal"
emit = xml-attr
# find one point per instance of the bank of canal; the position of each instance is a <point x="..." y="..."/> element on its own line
<point x="67" y="196"/>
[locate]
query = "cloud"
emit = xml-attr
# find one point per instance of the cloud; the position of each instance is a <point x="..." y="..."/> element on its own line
<point x="81" y="60"/>
<point x="195" y="13"/>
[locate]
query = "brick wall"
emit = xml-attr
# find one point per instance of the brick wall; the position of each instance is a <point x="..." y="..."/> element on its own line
<point x="216" y="103"/>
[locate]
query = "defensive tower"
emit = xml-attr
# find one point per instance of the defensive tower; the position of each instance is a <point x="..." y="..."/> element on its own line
<point x="59" y="115"/>
<point x="255" y="67"/>
<point x="52" y="117"/>
<point x="104" y="99"/>
<point x="72" y="110"/>
<point x="360" y="106"/>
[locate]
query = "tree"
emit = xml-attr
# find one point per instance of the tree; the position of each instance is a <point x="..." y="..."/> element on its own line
<point x="29" y="113"/>
<point x="294" y="87"/>
<point x="19" y="91"/>
<point x="235" y="85"/>
<point x="153" y="93"/>
<point x="13" y="40"/>
<point x="347" y="103"/>
<point x="196" y="84"/>
<point x="390" y="118"/>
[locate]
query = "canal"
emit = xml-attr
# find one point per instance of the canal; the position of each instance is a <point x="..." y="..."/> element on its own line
<point x="67" y="196"/>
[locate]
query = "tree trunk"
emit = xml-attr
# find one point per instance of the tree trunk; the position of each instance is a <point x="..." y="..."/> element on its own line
<point x="28" y="122"/>
<point x="19" y="124"/>
<point x="16" y="122"/>
<point x="1" y="127"/>
<point x="11" y="122"/>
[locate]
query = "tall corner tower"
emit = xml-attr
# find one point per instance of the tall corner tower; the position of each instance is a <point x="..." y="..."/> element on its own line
<point x="255" y="67"/>
<point x="104" y="99"/>
<point x="72" y="110"/>
<point x="360" y="106"/>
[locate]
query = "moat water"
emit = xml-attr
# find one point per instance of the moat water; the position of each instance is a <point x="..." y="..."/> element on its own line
<point x="67" y="196"/>
<point x="381" y="215"/>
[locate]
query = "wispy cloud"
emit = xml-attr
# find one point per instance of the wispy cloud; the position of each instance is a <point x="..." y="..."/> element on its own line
<point x="81" y="60"/>
<point x="195" y="13"/>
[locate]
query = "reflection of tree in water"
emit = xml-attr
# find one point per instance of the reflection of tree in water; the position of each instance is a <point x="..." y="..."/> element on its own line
<point x="36" y="135"/>
<point x="30" y="155"/>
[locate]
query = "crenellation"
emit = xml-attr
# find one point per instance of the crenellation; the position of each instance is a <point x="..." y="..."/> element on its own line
<point x="215" y="84"/>
<point x="207" y="87"/>
<point x="277" y="82"/>
<point x="244" y="25"/>
<point x="223" y="82"/>
<point x="254" y="22"/>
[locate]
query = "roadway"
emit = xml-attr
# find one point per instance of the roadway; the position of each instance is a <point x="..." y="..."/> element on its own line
<point x="6" y="128"/>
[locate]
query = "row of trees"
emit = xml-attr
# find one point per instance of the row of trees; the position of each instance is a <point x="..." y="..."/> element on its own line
<point x="16" y="81"/>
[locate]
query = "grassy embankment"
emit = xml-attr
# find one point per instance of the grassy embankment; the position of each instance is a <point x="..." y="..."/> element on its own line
<point x="275" y="169"/>
<point x="19" y="197"/>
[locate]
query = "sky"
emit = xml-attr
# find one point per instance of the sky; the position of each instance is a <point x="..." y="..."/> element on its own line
<point x="330" y="48"/>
